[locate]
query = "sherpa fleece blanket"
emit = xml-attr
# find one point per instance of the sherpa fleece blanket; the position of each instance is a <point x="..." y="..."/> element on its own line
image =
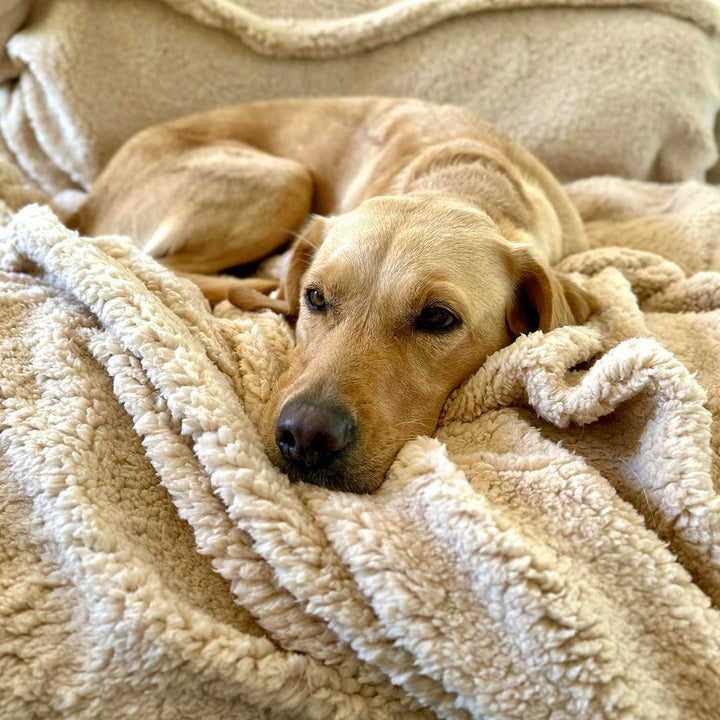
<point x="622" y="87"/>
<point x="554" y="552"/>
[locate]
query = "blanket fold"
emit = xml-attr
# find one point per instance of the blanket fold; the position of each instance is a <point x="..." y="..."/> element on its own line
<point x="319" y="30"/>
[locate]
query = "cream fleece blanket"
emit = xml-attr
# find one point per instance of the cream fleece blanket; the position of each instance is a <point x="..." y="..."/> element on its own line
<point x="554" y="552"/>
<point x="622" y="87"/>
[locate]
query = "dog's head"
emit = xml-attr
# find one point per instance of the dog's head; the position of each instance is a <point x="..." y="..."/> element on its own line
<point x="397" y="303"/>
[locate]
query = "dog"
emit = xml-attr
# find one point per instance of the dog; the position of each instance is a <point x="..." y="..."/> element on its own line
<point x="425" y="241"/>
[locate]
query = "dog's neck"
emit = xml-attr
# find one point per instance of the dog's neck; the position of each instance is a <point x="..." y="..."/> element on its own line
<point x="473" y="174"/>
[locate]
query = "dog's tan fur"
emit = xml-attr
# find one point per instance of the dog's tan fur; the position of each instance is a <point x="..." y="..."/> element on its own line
<point x="414" y="205"/>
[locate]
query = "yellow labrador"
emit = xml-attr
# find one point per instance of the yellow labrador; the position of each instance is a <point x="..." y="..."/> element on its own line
<point x="430" y="245"/>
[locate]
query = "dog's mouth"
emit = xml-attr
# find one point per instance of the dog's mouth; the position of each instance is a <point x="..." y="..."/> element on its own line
<point x="345" y="474"/>
<point x="328" y="478"/>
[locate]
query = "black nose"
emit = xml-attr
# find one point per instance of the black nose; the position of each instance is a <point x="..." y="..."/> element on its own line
<point x="311" y="433"/>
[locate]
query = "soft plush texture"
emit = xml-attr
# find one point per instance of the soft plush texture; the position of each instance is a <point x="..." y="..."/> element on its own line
<point x="553" y="553"/>
<point x="623" y="87"/>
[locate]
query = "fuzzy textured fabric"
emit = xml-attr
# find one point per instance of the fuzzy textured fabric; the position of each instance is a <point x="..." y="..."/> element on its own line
<point x="621" y="87"/>
<point x="553" y="552"/>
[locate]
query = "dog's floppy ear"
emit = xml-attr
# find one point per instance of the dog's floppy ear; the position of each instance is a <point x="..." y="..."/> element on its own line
<point x="544" y="299"/>
<point x="301" y="256"/>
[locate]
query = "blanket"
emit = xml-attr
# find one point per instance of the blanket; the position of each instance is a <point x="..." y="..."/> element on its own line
<point x="621" y="87"/>
<point x="553" y="552"/>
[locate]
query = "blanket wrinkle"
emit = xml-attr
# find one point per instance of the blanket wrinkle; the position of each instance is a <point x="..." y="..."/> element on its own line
<point x="76" y="526"/>
<point x="699" y="293"/>
<point x="162" y="439"/>
<point x="503" y="595"/>
<point x="234" y="557"/>
<point x="320" y="33"/>
<point x="626" y="368"/>
<point x="677" y="221"/>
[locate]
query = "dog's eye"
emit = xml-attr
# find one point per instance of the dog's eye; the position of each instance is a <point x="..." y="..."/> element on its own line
<point x="436" y="318"/>
<point x="315" y="299"/>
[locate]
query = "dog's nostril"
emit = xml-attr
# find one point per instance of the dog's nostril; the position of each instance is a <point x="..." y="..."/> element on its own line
<point x="311" y="433"/>
<point x="287" y="439"/>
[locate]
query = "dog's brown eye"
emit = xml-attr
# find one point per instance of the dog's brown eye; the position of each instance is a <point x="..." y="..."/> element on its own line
<point x="436" y="318"/>
<point x="315" y="299"/>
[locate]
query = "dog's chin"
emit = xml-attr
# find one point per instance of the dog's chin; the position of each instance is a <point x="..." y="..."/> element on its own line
<point x="340" y="476"/>
<point x="338" y="479"/>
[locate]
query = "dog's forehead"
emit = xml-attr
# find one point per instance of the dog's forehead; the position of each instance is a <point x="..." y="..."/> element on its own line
<point x="387" y="259"/>
<point x="408" y="235"/>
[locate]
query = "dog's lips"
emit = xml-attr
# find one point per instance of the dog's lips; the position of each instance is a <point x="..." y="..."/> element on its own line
<point x="330" y="479"/>
<point x="346" y="474"/>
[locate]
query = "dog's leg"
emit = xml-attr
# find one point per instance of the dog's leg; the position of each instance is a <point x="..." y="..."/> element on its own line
<point x="246" y="293"/>
<point x="199" y="206"/>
